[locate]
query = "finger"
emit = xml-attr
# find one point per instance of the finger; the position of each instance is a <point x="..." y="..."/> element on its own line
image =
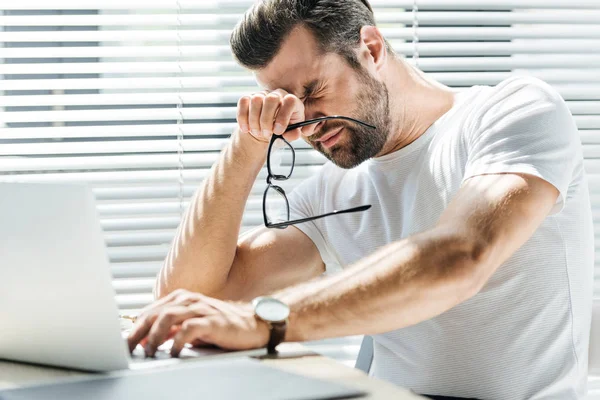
<point x="191" y="331"/>
<point x="172" y="332"/>
<point x="140" y="330"/>
<point x="158" y="303"/>
<point x="291" y="111"/>
<point x="256" y="105"/>
<point x="203" y="309"/>
<point x="146" y="319"/>
<point x="243" y="109"/>
<point x="189" y="308"/>
<point x="270" y="108"/>
<point x="174" y="296"/>
<point x="166" y="320"/>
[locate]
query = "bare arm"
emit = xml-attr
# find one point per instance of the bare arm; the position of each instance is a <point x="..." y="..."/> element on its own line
<point x="415" y="279"/>
<point x="206" y="255"/>
<point x="271" y="259"/>
<point x="205" y="245"/>
<point x="401" y="284"/>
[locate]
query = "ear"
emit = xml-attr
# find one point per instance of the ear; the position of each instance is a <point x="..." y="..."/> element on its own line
<point x="373" y="39"/>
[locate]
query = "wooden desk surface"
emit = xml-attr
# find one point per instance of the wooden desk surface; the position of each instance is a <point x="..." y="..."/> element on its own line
<point x="294" y="358"/>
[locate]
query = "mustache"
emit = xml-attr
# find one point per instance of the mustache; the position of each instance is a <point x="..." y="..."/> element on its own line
<point x="326" y="129"/>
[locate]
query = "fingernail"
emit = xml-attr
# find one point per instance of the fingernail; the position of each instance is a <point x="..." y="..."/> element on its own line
<point x="279" y="129"/>
<point x="245" y="128"/>
<point x="255" y="132"/>
<point x="266" y="133"/>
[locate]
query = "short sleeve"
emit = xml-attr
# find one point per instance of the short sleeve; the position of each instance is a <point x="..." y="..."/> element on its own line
<point x="305" y="202"/>
<point x="525" y="127"/>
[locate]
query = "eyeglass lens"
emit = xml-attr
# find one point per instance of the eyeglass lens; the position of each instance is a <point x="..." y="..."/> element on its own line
<point x="281" y="159"/>
<point x="276" y="206"/>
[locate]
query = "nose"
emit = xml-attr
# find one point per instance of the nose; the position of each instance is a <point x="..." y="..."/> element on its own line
<point x="311" y="129"/>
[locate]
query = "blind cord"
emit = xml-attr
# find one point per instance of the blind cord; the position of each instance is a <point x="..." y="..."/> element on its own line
<point x="180" y="132"/>
<point x="415" y="31"/>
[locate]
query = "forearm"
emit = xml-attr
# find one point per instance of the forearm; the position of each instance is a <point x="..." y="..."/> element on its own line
<point x="205" y="244"/>
<point x="399" y="285"/>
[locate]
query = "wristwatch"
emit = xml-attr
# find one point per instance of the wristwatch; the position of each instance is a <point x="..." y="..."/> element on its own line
<point x="275" y="313"/>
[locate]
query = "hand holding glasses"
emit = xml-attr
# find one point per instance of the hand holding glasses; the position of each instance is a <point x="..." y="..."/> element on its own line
<point x="276" y="208"/>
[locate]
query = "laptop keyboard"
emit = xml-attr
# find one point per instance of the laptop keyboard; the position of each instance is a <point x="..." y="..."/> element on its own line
<point x="164" y="353"/>
<point x="139" y="355"/>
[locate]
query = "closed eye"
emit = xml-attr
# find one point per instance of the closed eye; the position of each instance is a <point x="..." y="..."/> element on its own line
<point x="312" y="92"/>
<point x="308" y="100"/>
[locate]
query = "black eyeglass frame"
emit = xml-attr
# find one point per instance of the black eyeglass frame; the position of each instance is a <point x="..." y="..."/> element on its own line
<point x="274" y="177"/>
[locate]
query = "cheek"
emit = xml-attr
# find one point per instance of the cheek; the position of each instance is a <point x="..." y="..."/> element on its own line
<point x="343" y="99"/>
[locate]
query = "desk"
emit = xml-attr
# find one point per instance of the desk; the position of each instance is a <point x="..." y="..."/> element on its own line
<point x="293" y="358"/>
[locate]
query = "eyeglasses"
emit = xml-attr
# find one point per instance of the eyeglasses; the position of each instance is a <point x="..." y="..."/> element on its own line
<point x="276" y="207"/>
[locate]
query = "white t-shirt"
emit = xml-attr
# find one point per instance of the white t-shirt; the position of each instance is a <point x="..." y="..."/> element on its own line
<point x="525" y="334"/>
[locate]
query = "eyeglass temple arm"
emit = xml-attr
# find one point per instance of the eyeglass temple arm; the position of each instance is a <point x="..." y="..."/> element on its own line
<point x="299" y="221"/>
<point x="315" y="120"/>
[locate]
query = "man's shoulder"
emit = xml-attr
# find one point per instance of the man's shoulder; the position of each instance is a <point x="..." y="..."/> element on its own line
<point x="521" y="90"/>
<point x="516" y="98"/>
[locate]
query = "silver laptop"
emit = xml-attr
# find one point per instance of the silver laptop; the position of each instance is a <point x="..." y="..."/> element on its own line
<point x="57" y="303"/>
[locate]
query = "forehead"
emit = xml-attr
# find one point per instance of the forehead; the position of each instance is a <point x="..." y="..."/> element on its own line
<point x="298" y="62"/>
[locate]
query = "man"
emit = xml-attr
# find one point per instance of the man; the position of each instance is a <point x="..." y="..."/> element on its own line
<point x="473" y="266"/>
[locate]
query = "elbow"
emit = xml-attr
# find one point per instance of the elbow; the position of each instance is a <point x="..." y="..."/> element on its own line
<point x="160" y="287"/>
<point x="167" y="282"/>
<point x="479" y="257"/>
<point x="469" y="266"/>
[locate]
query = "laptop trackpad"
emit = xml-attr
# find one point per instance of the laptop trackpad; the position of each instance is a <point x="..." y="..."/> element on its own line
<point x="215" y="380"/>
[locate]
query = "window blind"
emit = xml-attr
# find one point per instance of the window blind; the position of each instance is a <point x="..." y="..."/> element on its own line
<point x="137" y="97"/>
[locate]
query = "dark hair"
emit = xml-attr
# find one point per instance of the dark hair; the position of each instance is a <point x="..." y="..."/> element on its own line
<point x="335" y="24"/>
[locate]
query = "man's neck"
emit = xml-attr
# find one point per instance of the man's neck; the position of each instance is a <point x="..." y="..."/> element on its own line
<point x="416" y="102"/>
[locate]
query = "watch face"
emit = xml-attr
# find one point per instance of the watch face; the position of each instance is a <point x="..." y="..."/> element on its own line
<point x="272" y="310"/>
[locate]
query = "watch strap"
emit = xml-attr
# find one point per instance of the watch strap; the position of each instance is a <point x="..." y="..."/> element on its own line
<point x="277" y="336"/>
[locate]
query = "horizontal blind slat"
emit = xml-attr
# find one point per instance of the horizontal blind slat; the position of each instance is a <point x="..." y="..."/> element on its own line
<point x="135" y="270"/>
<point x="159" y="207"/>
<point x="242" y="5"/>
<point x="120" y="99"/>
<point x="223" y="20"/>
<point x="542" y="46"/>
<point x="214" y="20"/>
<point x="133" y="285"/>
<point x="453" y="17"/>
<point x="130" y="114"/>
<point x="117" y="131"/>
<point x="115" y="178"/>
<point x="179" y="36"/>
<point x="189" y="113"/>
<point x="571" y="91"/>
<point x="448" y="78"/>
<point x="129" y="83"/>
<point x="141" y="161"/>
<point x="137" y="224"/>
<point x="129" y="68"/>
<point x="172" y="191"/>
<point x="448" y="64"/>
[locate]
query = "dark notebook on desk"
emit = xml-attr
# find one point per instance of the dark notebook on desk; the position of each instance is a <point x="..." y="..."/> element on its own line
<point x="211" y="380"/>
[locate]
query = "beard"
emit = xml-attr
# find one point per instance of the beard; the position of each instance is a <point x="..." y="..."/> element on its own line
<point x="361" y="143"/>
